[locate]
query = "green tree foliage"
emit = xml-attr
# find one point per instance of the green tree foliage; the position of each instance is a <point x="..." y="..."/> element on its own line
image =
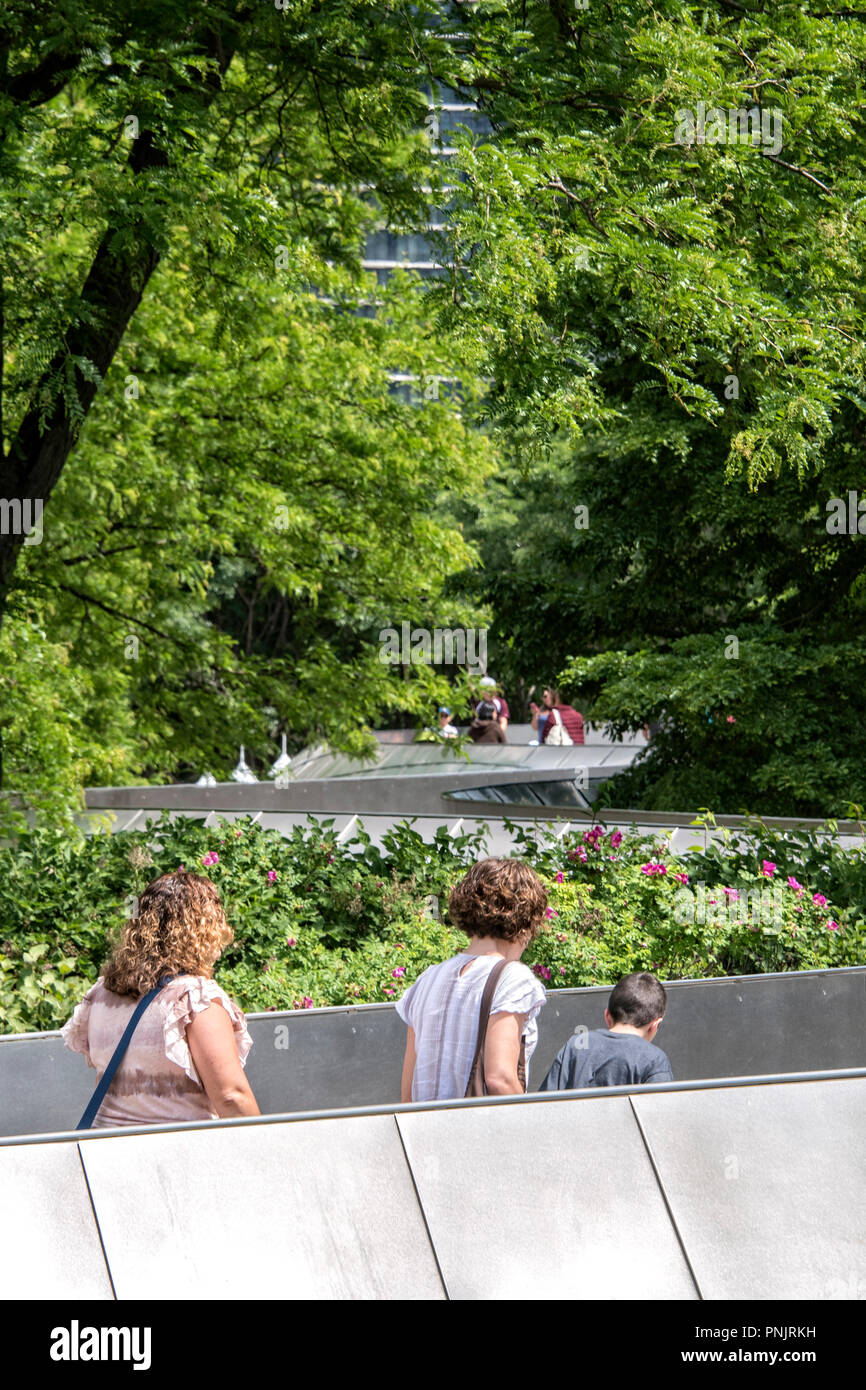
<point x="690" y="599"/>
<point x="674" y="332"/>
<point x="194" y="385"/>
<point x="257" y="513"/>
<point x="684" y="304"/>
<point x="624" y="250"/>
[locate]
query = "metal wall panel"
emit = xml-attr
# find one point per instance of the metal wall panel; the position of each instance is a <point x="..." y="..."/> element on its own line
<point x="49" y="1237"/>
<point x="753" y="1025"/>
<point x="313" y="1210"/>
<point x="43" y="1086"/>
<point x="750" y="1026"/>
<point x="555" y="1201"/>
<point x="333" y="1060"/>
<point x="766" y="1186"/>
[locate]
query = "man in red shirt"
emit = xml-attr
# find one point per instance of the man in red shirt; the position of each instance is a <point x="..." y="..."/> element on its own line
<point x="561" y="716"/>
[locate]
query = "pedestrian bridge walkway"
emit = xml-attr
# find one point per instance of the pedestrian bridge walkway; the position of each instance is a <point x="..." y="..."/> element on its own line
<point x="743" y="1179"/>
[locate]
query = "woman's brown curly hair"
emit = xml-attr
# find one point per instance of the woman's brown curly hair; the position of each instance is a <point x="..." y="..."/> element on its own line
<point x="180" y="929"/>
<point x="499" y="897"/>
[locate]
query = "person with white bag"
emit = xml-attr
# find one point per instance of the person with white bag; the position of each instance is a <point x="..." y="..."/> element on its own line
<point x="564" y="725"/>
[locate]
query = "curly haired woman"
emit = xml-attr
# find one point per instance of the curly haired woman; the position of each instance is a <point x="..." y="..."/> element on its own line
<point x="500" y="905"/>
<point x="186" y="1057"/>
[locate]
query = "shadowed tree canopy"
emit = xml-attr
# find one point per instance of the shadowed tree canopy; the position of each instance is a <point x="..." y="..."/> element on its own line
<point x="664" y="252"/>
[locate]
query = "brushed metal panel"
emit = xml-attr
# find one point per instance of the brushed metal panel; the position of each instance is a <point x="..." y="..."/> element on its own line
<point x="309" y="1210"/>
<point x="337" y="1059"/>
<point x="332" y="1060"/>
<point x="43" y="1086"/>
<point x="49" y="1237"/>
<point x="767" y="1185"/>
<point x="751" y="1025"/>
<point x="546" y="1201"/>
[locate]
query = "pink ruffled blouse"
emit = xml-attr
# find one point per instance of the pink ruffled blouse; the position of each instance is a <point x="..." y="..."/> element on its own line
<point x="156" y="1083"/>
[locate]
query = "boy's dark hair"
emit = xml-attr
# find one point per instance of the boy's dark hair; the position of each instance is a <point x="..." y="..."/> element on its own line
<point x="486" y="710"/>
<point x="637" y="999"/>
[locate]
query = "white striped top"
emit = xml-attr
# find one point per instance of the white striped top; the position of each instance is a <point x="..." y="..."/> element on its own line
<point x="443" y="1007"/>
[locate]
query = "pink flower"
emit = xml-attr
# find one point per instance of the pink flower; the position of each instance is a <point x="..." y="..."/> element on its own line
<point x="238" y="834"/>
<point x="731" y="719"/>
<point x="399" y="972"/>
<point x="561" y="936"/>
<point x="616" y="839"/>
<point x="819" y="900"/>
<point x="291" y="941"/>
<point x="562" y="970"/>
<point x="306" y="1003"/>
<point x="551" y="912"/>
<point x="389" y="991"/>
<point x="210" y="858"/>
<point x="681" y="878"/>
<point x="832" y="926"/>
<point x="797" y="887"/>
<point x="272" y="875"/>
<point x="560" y="878"/>
<point x="767" y="868"/>
<point x="653" y="868"/>
<point x="731" y="892"/>
<point x="330" y="858"/>
<point x="542" y="970"/>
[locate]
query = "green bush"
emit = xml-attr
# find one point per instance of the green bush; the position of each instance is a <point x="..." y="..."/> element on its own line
<point x="322" y="922"/>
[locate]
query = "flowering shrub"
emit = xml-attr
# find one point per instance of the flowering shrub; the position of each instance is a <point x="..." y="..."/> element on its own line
<point x="625" y="903"/>
<point x="321" y="922"/>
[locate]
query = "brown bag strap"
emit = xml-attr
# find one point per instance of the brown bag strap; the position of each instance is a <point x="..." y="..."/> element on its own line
<point x="483" y="1020"/>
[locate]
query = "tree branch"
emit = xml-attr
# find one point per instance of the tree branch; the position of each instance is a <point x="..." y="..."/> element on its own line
<point x="126" y="617"/>
<point x="804" y="173"/>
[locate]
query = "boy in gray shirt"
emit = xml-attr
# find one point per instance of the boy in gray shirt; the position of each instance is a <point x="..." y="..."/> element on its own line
<point x="622" y="1054"/>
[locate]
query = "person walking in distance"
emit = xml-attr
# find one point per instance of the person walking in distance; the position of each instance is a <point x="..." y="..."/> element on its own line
<point x="486" y="727"/>
<point x="564" y="725"/>
<point x="491" y="693"/>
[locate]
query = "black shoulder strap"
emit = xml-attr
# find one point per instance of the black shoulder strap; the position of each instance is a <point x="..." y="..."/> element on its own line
<point x="86" y="1121"/>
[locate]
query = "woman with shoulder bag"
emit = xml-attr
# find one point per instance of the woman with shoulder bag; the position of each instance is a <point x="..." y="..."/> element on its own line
<point x="460" y="1042"/>
<point x="157" y="1027"/>
<point x="564" y="725"/>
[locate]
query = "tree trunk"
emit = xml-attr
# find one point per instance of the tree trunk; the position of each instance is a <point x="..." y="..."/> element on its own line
<point x="112" y="291"/>
<point x="40" y="447"/>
